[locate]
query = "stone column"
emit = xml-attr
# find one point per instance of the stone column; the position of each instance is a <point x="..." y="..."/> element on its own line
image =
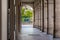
<point x="4" y="19"/>
<point x="41" y="16"/>
<point x="36" y="13"/>
<point x="39" y="10"/>
<point x="57" y="19"/>
<point x="45" y="15"/>
<point x="51" y="16"/>
<point x="12" y="19"/>
<point x="0" y="19"/>
<point x="18" y="15"/>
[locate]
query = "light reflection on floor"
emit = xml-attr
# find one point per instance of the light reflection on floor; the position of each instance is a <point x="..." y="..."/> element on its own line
<point x="30" y="33"/>
<point x="27" y="29"/>
<point x="27" y="26"/>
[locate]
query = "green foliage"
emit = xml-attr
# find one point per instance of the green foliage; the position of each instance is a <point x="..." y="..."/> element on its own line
<point x="26" y="13"/>
<point x="22" y="11"/>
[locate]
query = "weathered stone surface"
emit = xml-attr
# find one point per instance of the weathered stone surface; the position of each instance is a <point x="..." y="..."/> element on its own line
<point x="12" y="19"/>
<point x="41" y="16"/>
<point x="57" y="24"/>
<point x="37" y="13"/>
<point x="45" y="16"/>
<point x="51" y="17"/>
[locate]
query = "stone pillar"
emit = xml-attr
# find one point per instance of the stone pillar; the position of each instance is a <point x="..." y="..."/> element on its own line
<point x="36" y="13"/>
<point x="45" y="15"/>
<point x="18" y="14"/>
<point x="0" y="19"/>
<point x="41" y="16"/>
<point x="4" y="19"/>
<point x="57" y="18"/>
<point x="18" y="18"/>
<point x="39" y="10"/>
<point x="12" y="19"/>
<point x="51" y="16"/>
<point x="36" y="18"/>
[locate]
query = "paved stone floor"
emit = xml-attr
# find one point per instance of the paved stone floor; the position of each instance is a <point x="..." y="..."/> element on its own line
<point x="56" y="38"/>
<point x="30" y="33"/>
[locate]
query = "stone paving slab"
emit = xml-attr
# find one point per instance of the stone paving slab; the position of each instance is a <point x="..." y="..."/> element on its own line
<point x="33" y="34"/>
<point x="56" y="38"/>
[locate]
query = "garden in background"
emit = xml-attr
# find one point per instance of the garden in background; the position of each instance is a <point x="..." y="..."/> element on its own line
<point x="27" y="15"/>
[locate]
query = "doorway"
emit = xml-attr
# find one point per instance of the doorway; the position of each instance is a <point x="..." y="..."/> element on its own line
<point x="27" y="16"/>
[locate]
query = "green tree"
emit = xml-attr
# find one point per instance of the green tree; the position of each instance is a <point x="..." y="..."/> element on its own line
<point x="26" y="13"/>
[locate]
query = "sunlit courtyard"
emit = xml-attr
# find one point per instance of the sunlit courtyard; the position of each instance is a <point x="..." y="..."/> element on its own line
<point x="27" y="14"/>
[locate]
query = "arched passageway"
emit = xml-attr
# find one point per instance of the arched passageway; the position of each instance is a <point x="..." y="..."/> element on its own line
<point x="45" y="20"/>
<point x="27" y="15"/>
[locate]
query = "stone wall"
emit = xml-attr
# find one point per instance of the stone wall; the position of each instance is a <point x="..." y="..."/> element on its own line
<point x="48" y="16"/>
<point x="57" y="24"/>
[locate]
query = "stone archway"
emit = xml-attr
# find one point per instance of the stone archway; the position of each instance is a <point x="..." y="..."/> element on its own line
<point x="27" y="14"/>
